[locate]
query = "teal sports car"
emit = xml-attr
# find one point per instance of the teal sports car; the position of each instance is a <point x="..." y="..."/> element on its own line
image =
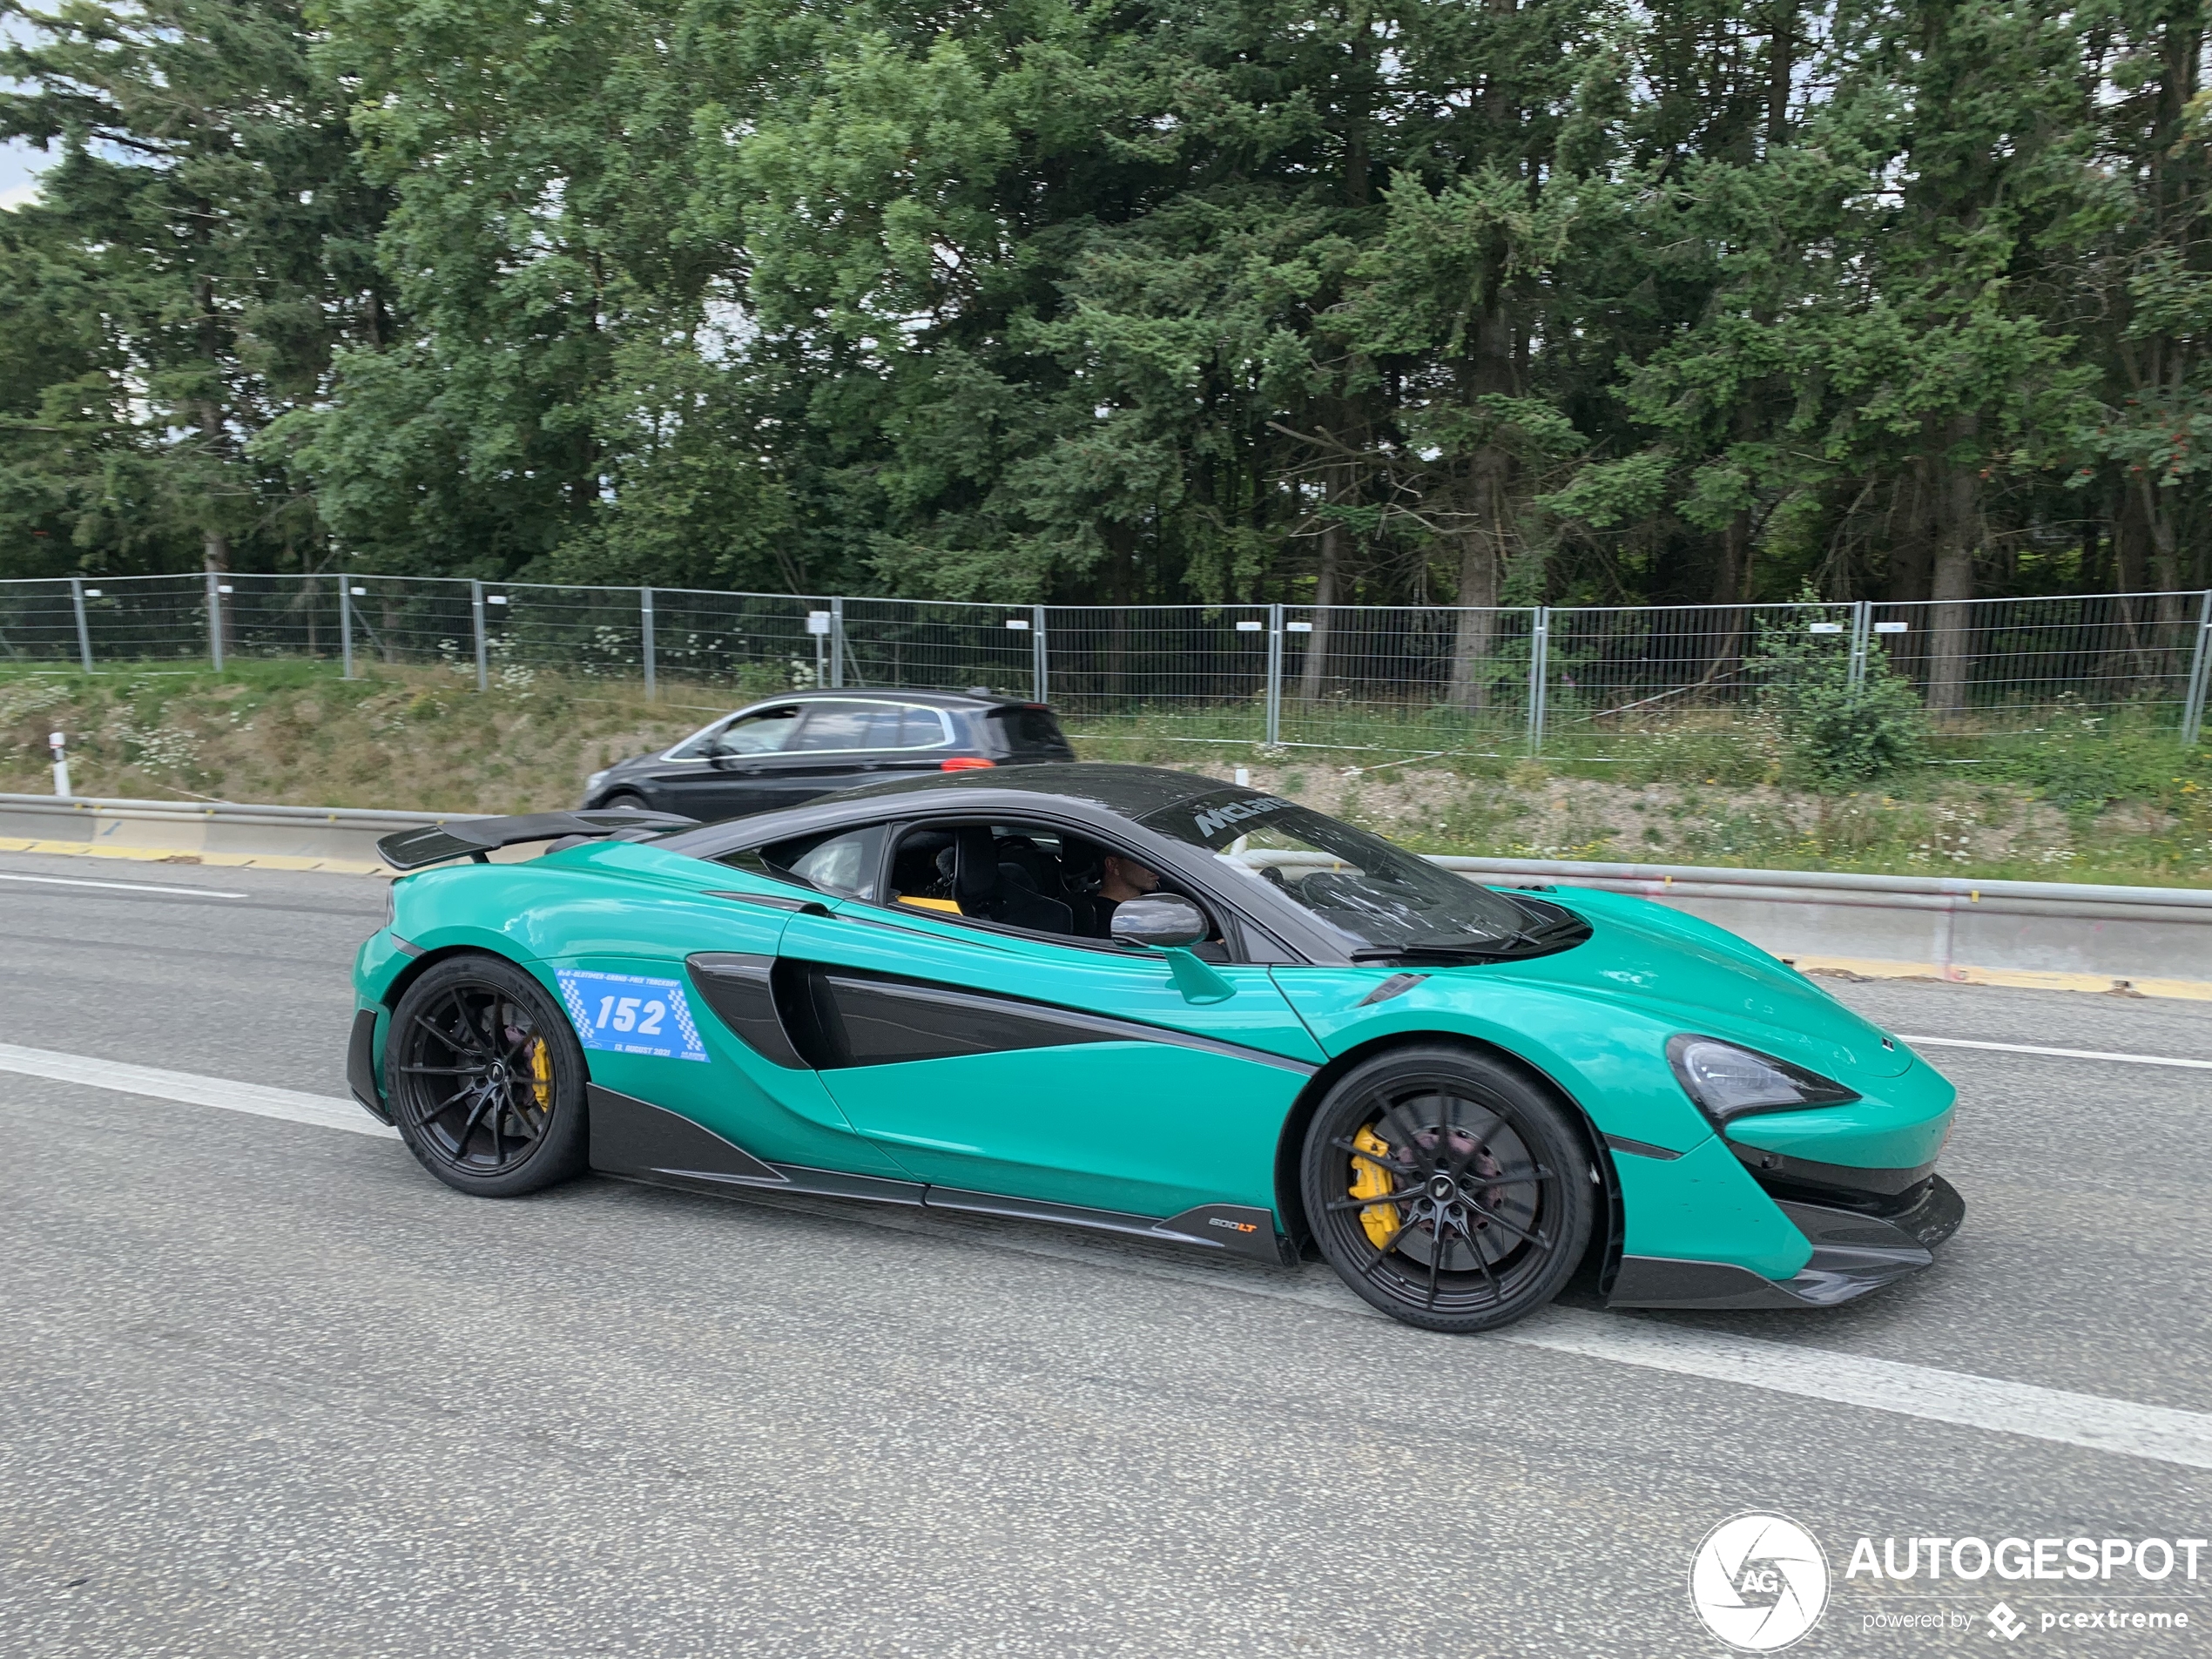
<point x="1134" y="1000"/>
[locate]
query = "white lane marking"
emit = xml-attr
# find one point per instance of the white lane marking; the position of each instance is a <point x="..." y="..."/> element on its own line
<point x="124" y="887"/>
<point x="2124" y="1428"/>
<point x="2061" y="1053"/>
<point x="2159" y="1433"/>
<point x="192" y="1090"/>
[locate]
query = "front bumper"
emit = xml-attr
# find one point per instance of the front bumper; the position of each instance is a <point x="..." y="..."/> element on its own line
<point x="1860" y="1245"/>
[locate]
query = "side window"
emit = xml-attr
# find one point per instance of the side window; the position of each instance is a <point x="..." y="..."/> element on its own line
<point x="845" y="863"/>
<point x="831" y="726"/>
<point x="848" y="726"/>
<point x="1035" y="877"/>
<point x="763" y="731"/>
<point x="758" y="734"/>
<point x="921" y="728"/>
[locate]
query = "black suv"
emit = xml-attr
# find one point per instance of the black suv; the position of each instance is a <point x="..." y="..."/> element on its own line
<point x="790" y="749"/>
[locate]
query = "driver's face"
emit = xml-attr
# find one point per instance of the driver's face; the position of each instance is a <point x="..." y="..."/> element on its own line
<point x="1128" y="875"/>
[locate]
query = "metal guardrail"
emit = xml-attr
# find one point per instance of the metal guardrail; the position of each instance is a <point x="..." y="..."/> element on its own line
<point x="2083" y="899"/>
<point x="2075" y="934"/>
<point x="329" y="837"/>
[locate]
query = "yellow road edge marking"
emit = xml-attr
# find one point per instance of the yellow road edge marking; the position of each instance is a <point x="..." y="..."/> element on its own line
<point x="2018" y="979"/>
<point x="181" y="855"/>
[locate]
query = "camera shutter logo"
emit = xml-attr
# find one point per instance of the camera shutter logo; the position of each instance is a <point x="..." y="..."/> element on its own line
<point x="1759" y="1582"/>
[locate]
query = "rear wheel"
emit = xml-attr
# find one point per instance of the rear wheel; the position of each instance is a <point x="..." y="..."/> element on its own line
<point x="486" y="1079"/>
<point x="1448" y="1188"/>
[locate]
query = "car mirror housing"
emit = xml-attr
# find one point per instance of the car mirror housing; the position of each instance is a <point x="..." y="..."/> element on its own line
<point x="1161" y="922"/>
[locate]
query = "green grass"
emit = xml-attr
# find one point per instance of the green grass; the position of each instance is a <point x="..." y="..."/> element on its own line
<point x="2106" y="796"/>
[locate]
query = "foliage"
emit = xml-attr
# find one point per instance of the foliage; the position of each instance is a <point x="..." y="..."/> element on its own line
<point x="1838" y="733"/>
<point x="1131" y="301"/>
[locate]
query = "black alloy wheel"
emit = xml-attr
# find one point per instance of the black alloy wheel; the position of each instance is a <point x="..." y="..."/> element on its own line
<point x="1448" y="1188"/>
<point x="486" y="1079"/>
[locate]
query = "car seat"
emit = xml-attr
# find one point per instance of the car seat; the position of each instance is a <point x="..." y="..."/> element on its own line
<point x="999" y="891"/>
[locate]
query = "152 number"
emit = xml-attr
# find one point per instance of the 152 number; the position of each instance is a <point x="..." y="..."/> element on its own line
<point x="636" y="1013"/>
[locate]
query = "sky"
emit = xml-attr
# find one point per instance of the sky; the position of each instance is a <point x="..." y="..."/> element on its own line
<point x="19" y="165"/>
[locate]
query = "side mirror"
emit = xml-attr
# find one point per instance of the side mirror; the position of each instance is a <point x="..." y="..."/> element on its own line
<point x="1161" y="922"/>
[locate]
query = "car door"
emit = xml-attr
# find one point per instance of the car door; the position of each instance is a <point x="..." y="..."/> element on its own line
<point x="721" y="774"/>
<point x="990" y="1061"/>
<point x="658" y="980"/>
<point x="829" y="750"/>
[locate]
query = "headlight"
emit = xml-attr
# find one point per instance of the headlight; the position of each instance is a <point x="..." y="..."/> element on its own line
<point x="595" y="779"/>
<point x="1726" y="1081"/>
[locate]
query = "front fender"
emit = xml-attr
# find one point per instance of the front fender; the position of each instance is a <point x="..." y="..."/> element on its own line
<point x="1609" y="1058"/>
<point x="1683" y="1194"/>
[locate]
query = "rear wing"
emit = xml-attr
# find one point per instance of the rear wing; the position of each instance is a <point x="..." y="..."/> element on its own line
<point x="478" y="838"/>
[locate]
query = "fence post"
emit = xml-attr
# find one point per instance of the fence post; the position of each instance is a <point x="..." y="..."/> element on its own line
<point x="345" y="625"/>
<point x="1539" y="644"/>
<point x="1274" y="676"/>
<point x="837" y="645"/>
<point x="1040" y="667"/>
<point x="84" y="632"/>
<point x="645" y="633"/>
<point x="1862" y="629"/>
<point x="215" y="620"/>
<point x="476" y="617"/>
<point x="2200" y="672"/>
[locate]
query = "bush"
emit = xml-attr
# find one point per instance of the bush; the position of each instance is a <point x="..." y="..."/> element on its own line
<point x="1837" y="735"/>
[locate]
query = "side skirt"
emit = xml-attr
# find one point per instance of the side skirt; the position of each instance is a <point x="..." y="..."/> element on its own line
<point x="635" y="1140"/>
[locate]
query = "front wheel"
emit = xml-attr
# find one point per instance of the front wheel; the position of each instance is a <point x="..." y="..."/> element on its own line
<point x="1447" y="1188"/>
<point x="486" y="1079"/>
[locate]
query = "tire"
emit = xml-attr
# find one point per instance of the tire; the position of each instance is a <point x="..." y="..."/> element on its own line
<point x="623" y="800"/>
<point x="485" y="1079"/>
<point x="1448" y="1239"/>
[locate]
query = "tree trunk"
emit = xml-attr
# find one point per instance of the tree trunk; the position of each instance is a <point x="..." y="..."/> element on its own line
<point x="1486" y="543"/>
<point x="1952" y="585"/>
<point x="1325" y="597"/>
<point x="1482" y="562"/>
<point x="1912" y="537"/>
<point x="2165" y="546"/>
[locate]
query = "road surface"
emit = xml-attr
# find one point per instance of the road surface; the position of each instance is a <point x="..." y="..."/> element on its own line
<point x="269" y="1389"/>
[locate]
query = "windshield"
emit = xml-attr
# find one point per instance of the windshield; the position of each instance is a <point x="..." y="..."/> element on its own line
<point x="1378" y="896"/>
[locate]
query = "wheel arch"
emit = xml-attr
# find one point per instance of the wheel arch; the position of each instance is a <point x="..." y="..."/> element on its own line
<point x="429" y="959"/>
<point x="1604" y="1253"/>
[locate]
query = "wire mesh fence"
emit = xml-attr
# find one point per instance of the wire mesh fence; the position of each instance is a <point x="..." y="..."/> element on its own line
<point x="937" y="646"/>
<point x="1404" y="679"/>
<point x="1376" y="678"/>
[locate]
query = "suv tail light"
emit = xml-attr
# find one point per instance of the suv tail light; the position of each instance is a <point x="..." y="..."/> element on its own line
<point x="964" y="763"/>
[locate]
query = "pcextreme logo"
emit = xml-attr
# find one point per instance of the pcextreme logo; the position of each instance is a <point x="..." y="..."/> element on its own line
<point x="1759" y="1582"/>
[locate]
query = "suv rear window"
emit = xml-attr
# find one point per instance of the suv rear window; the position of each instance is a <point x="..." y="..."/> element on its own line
<point x="1031" y="729"/>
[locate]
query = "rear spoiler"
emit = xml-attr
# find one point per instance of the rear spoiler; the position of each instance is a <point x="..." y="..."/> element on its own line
<point x="478" y="838"/>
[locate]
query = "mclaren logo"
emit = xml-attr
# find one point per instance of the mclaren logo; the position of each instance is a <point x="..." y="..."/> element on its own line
<point x="1211" y="822"/>
<point x="1233" y="1226"/>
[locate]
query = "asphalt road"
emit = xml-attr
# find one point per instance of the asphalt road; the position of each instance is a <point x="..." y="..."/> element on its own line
<point x="267" y="1388"/>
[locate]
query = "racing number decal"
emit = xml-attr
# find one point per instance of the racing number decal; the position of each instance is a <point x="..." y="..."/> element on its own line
<point x="630" y="1014"/>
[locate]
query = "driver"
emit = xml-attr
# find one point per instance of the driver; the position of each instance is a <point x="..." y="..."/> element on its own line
<point x="1122" y="879"/>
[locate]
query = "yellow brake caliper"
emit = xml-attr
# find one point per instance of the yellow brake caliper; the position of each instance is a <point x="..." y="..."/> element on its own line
<point x="1372" y="1180"/>
<point x="542" y="1075"/>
